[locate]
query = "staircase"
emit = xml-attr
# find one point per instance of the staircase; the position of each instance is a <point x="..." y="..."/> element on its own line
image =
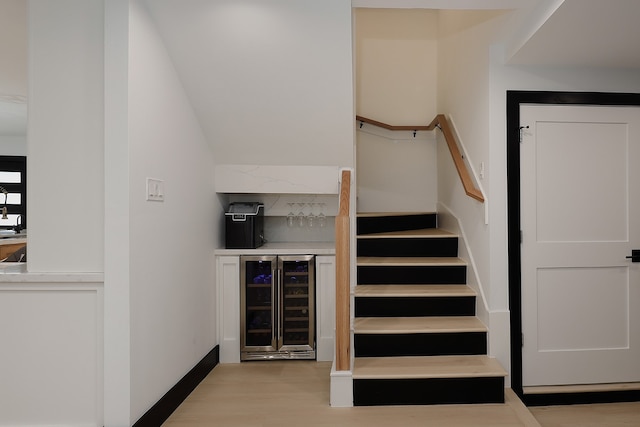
<point x="417" y="340"/>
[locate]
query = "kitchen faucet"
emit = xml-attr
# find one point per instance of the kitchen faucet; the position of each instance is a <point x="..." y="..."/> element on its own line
<point x="18" y="226"/>
<point x="4" y="208"/>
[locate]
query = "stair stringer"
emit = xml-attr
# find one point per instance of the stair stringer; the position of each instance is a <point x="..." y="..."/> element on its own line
<point x="497" y="321"/>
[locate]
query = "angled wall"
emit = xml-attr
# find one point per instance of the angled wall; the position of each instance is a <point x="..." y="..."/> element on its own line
<point x="171" y="242"/>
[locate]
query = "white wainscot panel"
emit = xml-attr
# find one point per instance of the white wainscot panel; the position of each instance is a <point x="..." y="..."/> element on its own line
<point x="228" y="297"/>
<point x="51" y="370"/>
<point x="325" y="304"/>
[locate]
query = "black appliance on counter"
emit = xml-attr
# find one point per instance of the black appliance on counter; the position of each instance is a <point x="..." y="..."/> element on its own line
<point x="244" y="225"/>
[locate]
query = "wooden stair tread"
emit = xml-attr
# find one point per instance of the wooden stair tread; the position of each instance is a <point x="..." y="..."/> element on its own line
<point x="413" y="325"/>
<point x="413" y="291"/>
<point x="405" y="367"/>
<point x="421" y="233"/>
<point x="410" y="261"/>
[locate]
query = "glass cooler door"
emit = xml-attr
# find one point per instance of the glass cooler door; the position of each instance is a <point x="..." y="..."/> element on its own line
<point x="297" y="314"/>
<point x="257" y="297"/>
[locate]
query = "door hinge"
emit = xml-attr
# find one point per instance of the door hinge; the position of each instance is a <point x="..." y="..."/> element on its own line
<point x="521" y="129"/>
<point x="522" y="340"/>
<point x="521" y="236"/>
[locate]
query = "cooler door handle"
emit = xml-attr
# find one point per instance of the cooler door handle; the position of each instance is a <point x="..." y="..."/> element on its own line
<point x="274" y="307"/>
<point x="280" y="305"/>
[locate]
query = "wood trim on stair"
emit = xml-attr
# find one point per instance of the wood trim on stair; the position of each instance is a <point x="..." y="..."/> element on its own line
<point x="413" y="325"/>
<point x="343" y="256"/>
<point x="393" y="290"/>
<point x="427" y="367"/>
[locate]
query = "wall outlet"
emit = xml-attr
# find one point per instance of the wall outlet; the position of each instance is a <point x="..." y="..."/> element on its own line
<point x="155" y="190"/>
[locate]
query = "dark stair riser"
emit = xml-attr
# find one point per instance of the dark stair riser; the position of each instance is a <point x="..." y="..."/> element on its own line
<point x="420" y="344"/>
<point x="381" y="224"/>
<point x="406" y="275"/>
<point x="415" y="306"/>
<point x="430" y="391"/>
<point x="409" y="247"/>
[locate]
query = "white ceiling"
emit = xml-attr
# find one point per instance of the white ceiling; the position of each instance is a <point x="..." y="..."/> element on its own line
<point x="586" y="33"/>
<point x="580" y="33"/>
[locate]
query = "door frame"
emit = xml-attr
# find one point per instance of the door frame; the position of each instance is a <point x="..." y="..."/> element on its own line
<point x="514" y="100"/>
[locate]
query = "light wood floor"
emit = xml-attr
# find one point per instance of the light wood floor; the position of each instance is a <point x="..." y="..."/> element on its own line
<point x="601" y="415"/>
<point x="296" y="393"/>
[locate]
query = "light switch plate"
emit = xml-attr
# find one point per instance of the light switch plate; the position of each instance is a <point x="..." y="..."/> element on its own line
<point x="155" y="190"/>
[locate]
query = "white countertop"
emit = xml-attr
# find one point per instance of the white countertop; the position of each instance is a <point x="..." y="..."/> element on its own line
<point x="12" y="240"/>
<point x="285" y="248"/>
<point x="16" y="272"/>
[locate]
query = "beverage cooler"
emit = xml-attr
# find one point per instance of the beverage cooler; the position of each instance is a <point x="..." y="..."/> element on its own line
<point x="277" y="300"/>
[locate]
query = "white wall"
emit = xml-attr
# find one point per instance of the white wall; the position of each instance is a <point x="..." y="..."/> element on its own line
<point x="272" y="84"/>
<point x="66" y="136"/>
<point x="117" y="312"/>
<point x="473" y="83"/>
<point x="159" y="317"/>
<point x="396" y="83"/>
<point x="283" y="92"/>
<point x="54" y="345"/>
<point x="502" y="78"/>
<point x="13" y="77"/>
<point x="13" y="145"/>
<point x="171" y="242"/>
<point x="13" y="47"/>
<point x="464" y="96"/>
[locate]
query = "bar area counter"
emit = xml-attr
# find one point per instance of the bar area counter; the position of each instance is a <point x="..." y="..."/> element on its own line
<point x="285" y="248"/>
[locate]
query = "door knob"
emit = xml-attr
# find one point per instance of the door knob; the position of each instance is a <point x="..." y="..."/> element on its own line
<point x="635" y="255"/>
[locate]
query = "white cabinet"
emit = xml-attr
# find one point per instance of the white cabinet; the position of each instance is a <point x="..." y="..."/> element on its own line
<point x="228" y="302"/>
<point x="325" y="307"/>
<point x="228" y="307"/>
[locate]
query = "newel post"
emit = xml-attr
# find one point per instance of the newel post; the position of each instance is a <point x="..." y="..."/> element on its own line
<point x="343" y="347"/>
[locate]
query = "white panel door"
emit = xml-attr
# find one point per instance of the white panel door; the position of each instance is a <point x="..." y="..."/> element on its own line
<point x="580" y="209"/>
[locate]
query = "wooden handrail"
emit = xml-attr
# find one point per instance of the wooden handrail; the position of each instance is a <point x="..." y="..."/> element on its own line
<point x="440" y="121"/>
<point x="343" y="268"/>
<point x="390" y="127"/>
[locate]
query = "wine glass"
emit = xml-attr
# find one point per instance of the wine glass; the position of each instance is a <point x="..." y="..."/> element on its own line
<point x="311" y="219"/>
<point x="291" y="216"/>
<point x="301" y="215"/>
<point x="322" y="219"/>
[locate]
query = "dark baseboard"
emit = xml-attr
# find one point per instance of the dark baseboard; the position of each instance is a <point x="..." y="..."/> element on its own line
<point x="551" y="399"/>
<point x="159" y="412"/>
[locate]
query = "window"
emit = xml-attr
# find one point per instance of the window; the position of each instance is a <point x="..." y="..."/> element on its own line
<point x="13" y="179"/>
